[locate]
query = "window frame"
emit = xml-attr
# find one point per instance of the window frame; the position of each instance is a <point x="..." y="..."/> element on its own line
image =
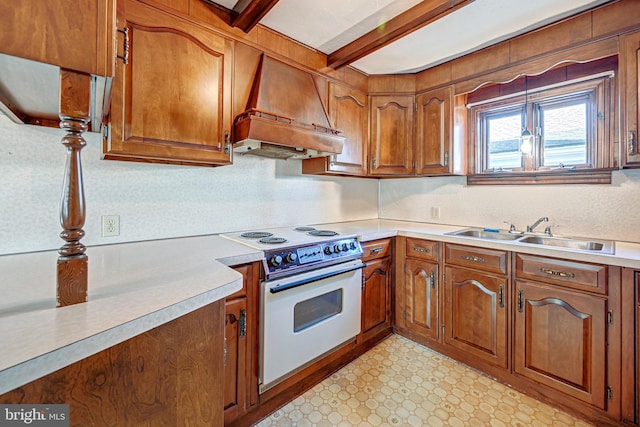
<point x="596" y="89"/>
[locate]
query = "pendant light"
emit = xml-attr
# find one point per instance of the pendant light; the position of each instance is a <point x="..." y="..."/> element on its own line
<point x="526" y="138"/>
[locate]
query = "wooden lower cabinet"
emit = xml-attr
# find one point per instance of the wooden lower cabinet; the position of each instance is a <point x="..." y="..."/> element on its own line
<point x="376" y="289"/>
<point x="421" y="297"/>
<point x="168" y="376"/>
<point x="476" y="314"/>
<point x="560" y="340"/>
<point x="241" y="346"/>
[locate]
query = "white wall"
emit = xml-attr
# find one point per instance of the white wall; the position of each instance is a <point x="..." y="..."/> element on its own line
<point x="606" y="211"/>
<point x="160" y="201"/>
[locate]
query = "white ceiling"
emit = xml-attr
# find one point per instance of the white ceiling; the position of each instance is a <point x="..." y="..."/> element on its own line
<point x="327" y="25"/>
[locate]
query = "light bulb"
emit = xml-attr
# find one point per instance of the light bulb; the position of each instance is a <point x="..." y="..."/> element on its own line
<point x="527" y="140"/>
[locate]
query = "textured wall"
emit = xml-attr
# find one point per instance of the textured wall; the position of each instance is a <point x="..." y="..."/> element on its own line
<point x="160" y="201"/>
<point x="606" y="211"/>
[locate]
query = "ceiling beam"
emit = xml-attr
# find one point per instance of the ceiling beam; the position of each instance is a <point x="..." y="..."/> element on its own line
<point x="247" y="13"/>
<point x="407" y="22"/>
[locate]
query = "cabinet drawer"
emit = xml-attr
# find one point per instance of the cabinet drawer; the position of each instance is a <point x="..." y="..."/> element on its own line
<point x="375" y="249"/>
<point x="423" y="249"/>
<point x="478" y="258"/>
<point x="571" y="274"/>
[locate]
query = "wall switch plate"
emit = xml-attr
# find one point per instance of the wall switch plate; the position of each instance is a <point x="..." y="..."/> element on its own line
<point x="110" y="225"/>
<point x="435" y="212"/>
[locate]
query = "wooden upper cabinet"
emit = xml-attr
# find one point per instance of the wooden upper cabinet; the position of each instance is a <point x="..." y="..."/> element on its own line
<point x="434" y="132"/>
<point x="349" y="112"/>
<point x="74" y="35"/>
<point x="391" y="145"/>
<point x="630" y="91"/>
<point x="171" y="102"/>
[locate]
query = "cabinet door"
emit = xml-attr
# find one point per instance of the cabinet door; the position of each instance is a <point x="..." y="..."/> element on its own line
<point x="560" y="340"/>
<point x="476" y="314"/>
<point x="630" y="82"/>
<point x="392" y="119"/>
<point x="235" y="360"/>
<point x="434" y="123"/>
<point x="421" y="297"/>
<point x="348" y="112"/>
<point x="376" y="297"/>
<point x="74" y="35"/>
<point x="172" y="102"/>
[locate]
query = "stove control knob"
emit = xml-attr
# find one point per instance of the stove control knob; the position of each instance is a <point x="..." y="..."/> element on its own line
<point x="336" y="248"/>
<point x="327" y="250"/>
<point x="276" y="260"/>
<point x="352" y="246"/>
<point x="291" y="257"/>
<point x="345" y="247"/>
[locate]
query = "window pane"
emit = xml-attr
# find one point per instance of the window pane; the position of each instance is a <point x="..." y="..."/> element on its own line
<point x="565" y="135"/>
<point x="503" y="141"/>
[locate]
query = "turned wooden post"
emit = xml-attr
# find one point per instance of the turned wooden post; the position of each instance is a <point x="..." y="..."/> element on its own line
<point x="72" y="276"/>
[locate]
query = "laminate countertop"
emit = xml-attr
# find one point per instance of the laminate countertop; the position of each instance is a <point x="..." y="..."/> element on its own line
<point x="135" y="287"/>
<point x="132" y="288"/>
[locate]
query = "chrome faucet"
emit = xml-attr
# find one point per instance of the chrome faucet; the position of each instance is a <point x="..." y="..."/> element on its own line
<point x="535" y="224"/>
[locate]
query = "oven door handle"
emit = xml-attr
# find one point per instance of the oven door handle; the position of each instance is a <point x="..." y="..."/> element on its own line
<point x="292" y="285"/>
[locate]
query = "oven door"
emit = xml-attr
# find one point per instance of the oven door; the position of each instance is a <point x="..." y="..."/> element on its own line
<point x="306" y="316"/>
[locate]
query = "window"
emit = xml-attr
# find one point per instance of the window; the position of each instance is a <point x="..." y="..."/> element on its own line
<point x="571" y="123"/>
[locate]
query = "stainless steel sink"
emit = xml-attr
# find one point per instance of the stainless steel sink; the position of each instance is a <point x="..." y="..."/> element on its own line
<point x="602" y="246"/>
<point x="480" y="233"/>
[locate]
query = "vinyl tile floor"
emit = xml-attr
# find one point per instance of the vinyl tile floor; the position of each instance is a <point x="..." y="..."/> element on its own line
<point x="402" y="383"/>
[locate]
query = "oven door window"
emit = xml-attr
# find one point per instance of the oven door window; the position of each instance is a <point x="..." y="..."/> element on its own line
<point x="317" y="309"/>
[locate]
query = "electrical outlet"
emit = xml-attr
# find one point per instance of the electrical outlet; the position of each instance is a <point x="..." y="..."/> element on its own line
<point x="435" y="212"/>
<point x="110" y="225"/>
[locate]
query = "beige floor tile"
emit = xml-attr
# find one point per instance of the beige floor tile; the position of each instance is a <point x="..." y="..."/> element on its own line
<point x="401" y="383"/>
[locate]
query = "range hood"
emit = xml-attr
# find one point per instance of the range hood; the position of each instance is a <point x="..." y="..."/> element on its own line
<point x="285" y="117"/>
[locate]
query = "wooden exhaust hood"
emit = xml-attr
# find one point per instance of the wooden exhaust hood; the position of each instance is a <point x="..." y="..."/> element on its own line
<point x="285" y="117"/>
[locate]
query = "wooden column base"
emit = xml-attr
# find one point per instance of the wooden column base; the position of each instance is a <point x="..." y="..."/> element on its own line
<point x="72" y="280"/>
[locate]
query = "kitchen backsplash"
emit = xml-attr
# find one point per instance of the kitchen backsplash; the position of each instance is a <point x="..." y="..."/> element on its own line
<point x="606" y="211"/>
<point x="160" y="201"/>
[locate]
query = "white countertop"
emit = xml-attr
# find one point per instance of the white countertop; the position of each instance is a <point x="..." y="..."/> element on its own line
<point x="134" y="287"/>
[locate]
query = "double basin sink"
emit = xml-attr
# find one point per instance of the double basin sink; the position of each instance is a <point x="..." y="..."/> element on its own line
<point x="570" y="243"/>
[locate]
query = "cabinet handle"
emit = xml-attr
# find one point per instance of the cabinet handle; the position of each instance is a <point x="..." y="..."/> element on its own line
<point x="242" y="323"/>
<point x="227" y="142"/>
<point x="419" y="249"/>
<point x="632" y="143"/>
<point x="433" y="279"/>
<point x="125" y="47"/>
<point x="472" y="258"/>
<point x="520" y="303"/>
<point x="501" y="296"/>
<point x="375" y="250"/>
<point x="557" y="272"/>
<point x="446" y="158"/>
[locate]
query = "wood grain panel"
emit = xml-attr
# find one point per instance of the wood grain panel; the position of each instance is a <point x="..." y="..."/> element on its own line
<point x="560" y="340"/>
<point x="551" y="38"/>
<point x="482" y="61"/>
<point x="615" y="18"/>
<point x="572" y="274"/>
<point x="68" y="33"/>
<point x="168" y="376"/>
<point x="476" y="315"/>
